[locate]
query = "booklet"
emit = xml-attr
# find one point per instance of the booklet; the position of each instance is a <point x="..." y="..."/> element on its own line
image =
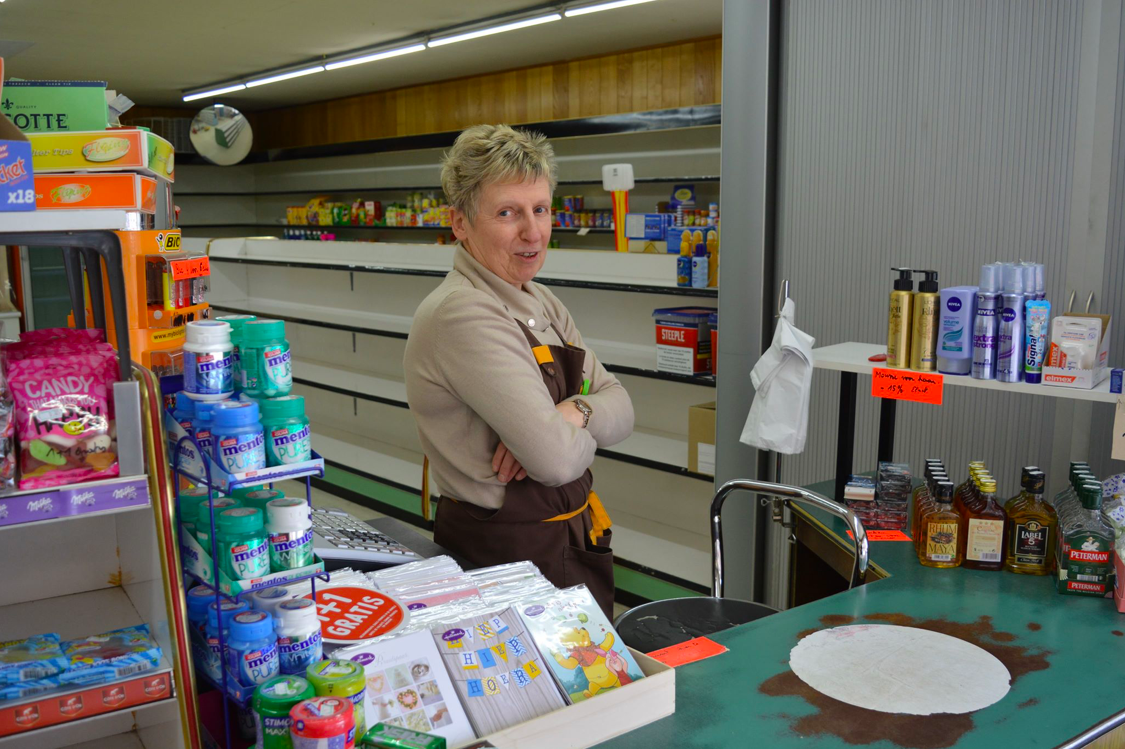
<point x="407" y="686"/>
<point x="579" y="644"/>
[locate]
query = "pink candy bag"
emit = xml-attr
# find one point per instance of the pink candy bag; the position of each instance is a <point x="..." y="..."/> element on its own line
<point x="63" y="410"/>
<point x="63" y="335"/>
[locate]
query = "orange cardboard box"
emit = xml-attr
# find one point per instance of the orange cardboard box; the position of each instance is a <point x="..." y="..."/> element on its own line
<point x="130" y="192"/>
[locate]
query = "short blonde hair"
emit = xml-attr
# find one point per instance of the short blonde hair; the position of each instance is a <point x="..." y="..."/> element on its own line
<point x="486" y="154"/>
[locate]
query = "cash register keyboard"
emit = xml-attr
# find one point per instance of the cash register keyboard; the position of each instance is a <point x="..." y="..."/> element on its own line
<point x="338" y="535"/>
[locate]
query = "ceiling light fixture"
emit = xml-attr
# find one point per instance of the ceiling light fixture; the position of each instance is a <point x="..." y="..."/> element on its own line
<point x="495" y="30"/>
<point x="602" y="6"/>
<point x="285" y="76"/>
<point x="375" y="56"/>
<point x="214" y="92"/>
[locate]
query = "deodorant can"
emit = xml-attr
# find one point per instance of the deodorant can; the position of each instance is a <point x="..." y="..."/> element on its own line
<point x="1009" y="358"/>
<point x="986" y="323"/>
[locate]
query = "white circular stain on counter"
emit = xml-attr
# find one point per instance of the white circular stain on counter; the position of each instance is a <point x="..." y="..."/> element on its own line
<point x="900" y="669"/>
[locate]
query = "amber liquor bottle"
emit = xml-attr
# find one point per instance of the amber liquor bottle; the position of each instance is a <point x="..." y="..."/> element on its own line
<point x="1032" y="530"/>
<point x="983" y="543"/>
<point x="942" y="527"/>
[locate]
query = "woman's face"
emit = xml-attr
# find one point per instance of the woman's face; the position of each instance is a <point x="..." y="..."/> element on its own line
<point x="511" y="230"/>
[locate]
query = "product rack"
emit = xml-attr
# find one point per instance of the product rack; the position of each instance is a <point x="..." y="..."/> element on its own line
<point x="188" y="451"/>
<point x="55" y="587"/>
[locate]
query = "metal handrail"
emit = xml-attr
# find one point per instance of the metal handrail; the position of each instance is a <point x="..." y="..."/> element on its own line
<point x="782" y="492"/>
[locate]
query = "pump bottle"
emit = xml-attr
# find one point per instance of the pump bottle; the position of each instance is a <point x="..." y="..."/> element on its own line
<point x="899" y="320"/>
<point x="924" y="331"/>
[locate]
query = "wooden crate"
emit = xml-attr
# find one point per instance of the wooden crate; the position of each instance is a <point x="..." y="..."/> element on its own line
<point x="599" y="719"/>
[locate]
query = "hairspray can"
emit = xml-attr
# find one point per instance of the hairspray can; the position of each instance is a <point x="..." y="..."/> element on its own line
<point x="986" y="323"/>
<point x="1009" y="359"/>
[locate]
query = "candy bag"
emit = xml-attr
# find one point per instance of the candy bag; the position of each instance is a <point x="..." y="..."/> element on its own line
<point x="113" y="655"/>
<point x="63" y="411"/>
<point x="36" y="657"/>
<point x="63" y="335"/>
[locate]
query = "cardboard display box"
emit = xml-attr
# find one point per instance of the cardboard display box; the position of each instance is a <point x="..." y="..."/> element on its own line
<point x="116" y="150"/>
<point x="17" y="189"/>
<point x="130" y="192"/>
<point x="56" y="106"/>
<point x="1084" y="379"/>
<point x="701" y="438"/>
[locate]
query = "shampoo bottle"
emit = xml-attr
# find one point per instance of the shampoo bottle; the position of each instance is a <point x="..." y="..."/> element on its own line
<point x="683" y="262"/>
<point x="924" y="329"/>
<point x="713" y="258"/>
<point x="986" y="323"/>
<point x="699" y="261"/>
<point x="899" y="320"/>
<point x="955" y="330"/>
<point x="1009" y="359"/>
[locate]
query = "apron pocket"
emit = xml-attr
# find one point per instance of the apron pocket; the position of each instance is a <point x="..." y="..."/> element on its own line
<point x="592" y="567"/>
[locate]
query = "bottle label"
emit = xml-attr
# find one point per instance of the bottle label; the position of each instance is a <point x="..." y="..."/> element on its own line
<point x="952" y="336"/>
<point x="241" y="453"/>
<point x="289" y="444"/>
<point x="941" y="542"/>
<point x="276" y="376"/>
<point x="249" y="560"/>
<point x="208" y="374"/>
<point x="288" y="551"/>
<point x="255" y="666"/>
<point x="985" y="540"/>
<point x="298" y="653"/>
<point x="1029" y="545"/>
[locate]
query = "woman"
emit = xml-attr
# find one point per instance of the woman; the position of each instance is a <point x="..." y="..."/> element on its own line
<point x="510" y="406"/>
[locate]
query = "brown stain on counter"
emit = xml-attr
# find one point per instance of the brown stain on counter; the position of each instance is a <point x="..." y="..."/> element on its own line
<point x="857" y="725"/>
<point x="1034" y="626"/>
<point x="1118" y="633"/>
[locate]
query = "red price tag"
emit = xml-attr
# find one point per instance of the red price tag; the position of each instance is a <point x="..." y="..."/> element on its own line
<point x="874" y="535"/>
<point x="190" y="268"/>
<point x="688" y="652"/>
<point x="904" y="385"/>
<point x="348" y="614"/>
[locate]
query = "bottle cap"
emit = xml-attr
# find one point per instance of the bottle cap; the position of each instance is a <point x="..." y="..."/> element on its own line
<point x="233" y="414"/>
<point x="1028" y="270"/>
<point x="904" y="281"/>
<point x="334" y="674"/>
<point x="945" y="491"/>
<point x="288" y="513"/>
<point x="251" y="625"/>
<point x="1040" y="279"/>
<point x="929" y="285"/>
<point x="322" y="718"/>
<point x="239" y="520"/>
<point x="297" y="612"/>
<point x="1036" y="482"/>
<point x="278" y="696"/>
<point x="283" y="407"/>
<point x="206" y="332"/>
<point x="990" y="278"/>
<point x="198" y="599"/>
<point x="229" y="609"/>
<point x="236" y="321"/>
<point x="988" y="486"/>
<point x="205" y="410"/>
<point x="219" y="503"/>
<point x="1013" y="279"/>
<point x="262" y="331"/>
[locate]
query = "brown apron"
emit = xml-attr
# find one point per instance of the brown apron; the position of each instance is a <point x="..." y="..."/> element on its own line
<point x="563" y="530"/>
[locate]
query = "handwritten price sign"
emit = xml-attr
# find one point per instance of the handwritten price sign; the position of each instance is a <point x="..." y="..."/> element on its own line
<point x="904" y="385"/>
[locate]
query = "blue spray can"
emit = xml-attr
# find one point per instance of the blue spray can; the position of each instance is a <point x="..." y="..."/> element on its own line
<point x="986" y="323"/>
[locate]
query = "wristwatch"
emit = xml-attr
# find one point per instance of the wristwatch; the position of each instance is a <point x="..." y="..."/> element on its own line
<point x="584" y="407"/>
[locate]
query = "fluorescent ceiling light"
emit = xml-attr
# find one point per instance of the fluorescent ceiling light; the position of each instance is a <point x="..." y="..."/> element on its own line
<point x="214" y="92"/>
<point x="376" y="56"/>
<point x="602" y="6"/>
<point x="285" y="76"/>
<point x="495" y="30"/>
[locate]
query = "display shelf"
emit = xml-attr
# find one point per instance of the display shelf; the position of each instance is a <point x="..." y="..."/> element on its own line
<point x="63" y="220"/>
<point x="419" y="188"/>
<point x="387" y="464"/>
<point x="605" y="270"/>
<point x="334" y="227"/>
<point x="656" y="450"/>
<point x="35" y="506"/>
<point x="854" y="357"/>
<point x="636" y="361"/>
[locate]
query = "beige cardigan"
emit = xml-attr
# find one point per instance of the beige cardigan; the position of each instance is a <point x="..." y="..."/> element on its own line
<point x="471" y="381"/>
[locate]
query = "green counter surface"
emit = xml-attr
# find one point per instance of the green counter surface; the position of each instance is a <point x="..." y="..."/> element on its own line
<point x="1066" y="655"/>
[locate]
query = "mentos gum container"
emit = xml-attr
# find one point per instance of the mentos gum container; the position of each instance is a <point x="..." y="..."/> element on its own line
<point x="287" y="430"/>
<point x="208" y="362"/>
<point x="243" y="543"/>
<point x="323" y="723"/>
<point x="265" y="359"/>
<point x="237" y="438"/>
<point x="342" y="679"/>
<point x="272" y="702"/>
<point x="252" y="655"/>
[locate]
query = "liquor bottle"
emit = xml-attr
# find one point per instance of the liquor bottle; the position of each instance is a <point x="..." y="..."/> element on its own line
<point x="1023" y="494"/>
<point x="959" y="493"/>
<point x="941" y="531"/>
<point x="925" y="503"/>
<point x="1086" y="544"/>
<point x="982" y="545"/>
<point x="1031" y="530"/>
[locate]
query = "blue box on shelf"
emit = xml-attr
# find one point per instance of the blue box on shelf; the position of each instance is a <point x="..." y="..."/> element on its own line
<point x="647" y="225"/>
<point x="1115" y="380"/>
<point x="17" y="180"/>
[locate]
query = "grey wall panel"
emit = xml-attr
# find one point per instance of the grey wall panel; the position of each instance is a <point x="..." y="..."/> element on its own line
<point x="1113" y="286"/>
<point x="934" y="135"/>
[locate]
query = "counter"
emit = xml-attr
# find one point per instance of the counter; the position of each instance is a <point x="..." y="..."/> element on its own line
<point x="1066" y="655"/>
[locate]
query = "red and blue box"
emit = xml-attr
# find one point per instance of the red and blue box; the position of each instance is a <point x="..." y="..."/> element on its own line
<point x="17" y="182"/>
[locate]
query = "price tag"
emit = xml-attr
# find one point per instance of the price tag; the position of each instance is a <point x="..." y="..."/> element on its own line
<point x="583" y="231"/>
<point x="874" y="535"/>
<point x="1119" y="430"/>
<point x="688" y="652"/>
<point x="351" y="614"/>
<point x="193" y="267"/>
<point x="904" y="385"/>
